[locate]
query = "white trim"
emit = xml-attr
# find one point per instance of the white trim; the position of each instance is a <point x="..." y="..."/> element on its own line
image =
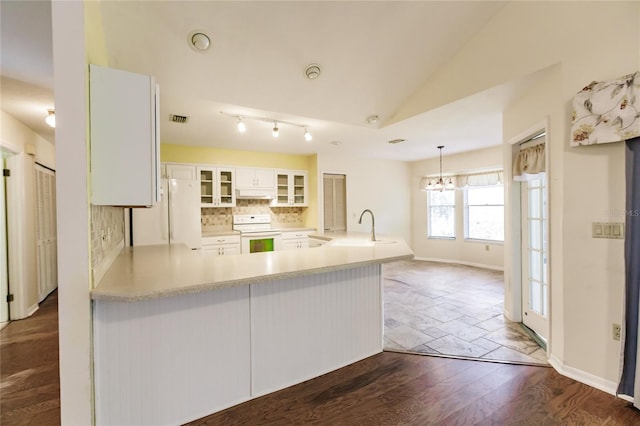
<point x="513" y="280"/>
<point x="460" y="262"/>
<point x="15" y="149"/>
<point x="106" y="262"/>
<point x="586" y="378"/>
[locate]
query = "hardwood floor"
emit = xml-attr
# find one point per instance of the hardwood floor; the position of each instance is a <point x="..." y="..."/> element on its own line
<point x="386" y="389"/>
<point x="29" y="378"/>
<point x="404" y="389"/>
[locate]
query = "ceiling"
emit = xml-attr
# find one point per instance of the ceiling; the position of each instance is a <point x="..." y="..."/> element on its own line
<point x="373" y="56"/>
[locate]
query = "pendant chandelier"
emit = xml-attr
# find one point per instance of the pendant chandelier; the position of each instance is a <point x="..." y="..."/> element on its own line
<point x="439" y="184"/>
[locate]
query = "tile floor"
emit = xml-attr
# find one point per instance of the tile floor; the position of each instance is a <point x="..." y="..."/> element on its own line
<point x="449" y="309"/>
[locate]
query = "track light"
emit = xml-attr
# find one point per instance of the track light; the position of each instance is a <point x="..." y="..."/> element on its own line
<point x="241" y="126"/>
<point x="50" y="119"/>
<point x="275" y="130"/>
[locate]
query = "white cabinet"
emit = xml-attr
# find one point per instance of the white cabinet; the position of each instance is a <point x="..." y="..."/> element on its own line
<point x="217" y="186"/>
<point x="125" y="150"/>
<point x="292" y="188"/>
<point x="221" y="245"/>
<point x="292" y="240"/>
<point x="180" y="171"/>
<point x="254" y="178"/>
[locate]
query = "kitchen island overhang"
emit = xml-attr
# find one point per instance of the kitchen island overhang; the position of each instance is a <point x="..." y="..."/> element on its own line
<point x="179" y="335"/>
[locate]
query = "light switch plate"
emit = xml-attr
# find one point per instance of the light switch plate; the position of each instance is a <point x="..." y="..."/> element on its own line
<point x="612" y="230"/>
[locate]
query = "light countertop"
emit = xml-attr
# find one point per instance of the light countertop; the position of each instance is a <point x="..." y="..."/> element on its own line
<point x="147" y="272"/>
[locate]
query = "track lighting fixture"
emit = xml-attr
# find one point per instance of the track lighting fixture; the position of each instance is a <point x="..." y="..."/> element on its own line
<point x="275" y="130"/>
<point x="50" y="119"/>
<point x="241" y="126"/>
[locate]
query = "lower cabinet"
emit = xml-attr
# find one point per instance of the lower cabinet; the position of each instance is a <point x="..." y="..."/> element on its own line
<point x="292" y="240"/>
<point x="222" y="245"/>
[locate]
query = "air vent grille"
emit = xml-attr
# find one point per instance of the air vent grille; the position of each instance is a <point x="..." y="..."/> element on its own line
<point x="395" y="141"/>
<point x="179" y="118"/>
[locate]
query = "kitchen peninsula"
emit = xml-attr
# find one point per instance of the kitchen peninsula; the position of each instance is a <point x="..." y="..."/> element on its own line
<point x="179" y="334"/>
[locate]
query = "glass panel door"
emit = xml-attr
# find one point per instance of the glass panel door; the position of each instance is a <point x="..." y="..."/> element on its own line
<point x="535" y="282"/>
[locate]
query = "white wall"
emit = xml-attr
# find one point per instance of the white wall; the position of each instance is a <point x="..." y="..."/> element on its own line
<point x="458" y="250"/>
<point x="379" y="185"/>
<point x="74" y="263"/>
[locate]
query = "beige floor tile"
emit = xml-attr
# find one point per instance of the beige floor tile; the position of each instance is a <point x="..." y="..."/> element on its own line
<point x="406" y="336"/>
<point x="451" y="309"/>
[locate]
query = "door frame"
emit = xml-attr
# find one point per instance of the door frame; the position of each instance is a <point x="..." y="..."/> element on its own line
<point x="513" y="240"/>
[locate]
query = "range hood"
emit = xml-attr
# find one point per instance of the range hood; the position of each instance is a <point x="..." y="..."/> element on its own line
<point x="255" y="194"/>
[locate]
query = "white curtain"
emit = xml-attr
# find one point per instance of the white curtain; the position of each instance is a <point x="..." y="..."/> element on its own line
<point x="530" y="163"/>
<point x="480" y="179"/>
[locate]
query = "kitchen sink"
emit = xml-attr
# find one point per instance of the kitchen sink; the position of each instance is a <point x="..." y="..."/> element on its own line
<point x="359" y="242"/>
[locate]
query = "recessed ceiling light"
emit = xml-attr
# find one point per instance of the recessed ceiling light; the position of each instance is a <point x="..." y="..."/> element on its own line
<point x="200" y="41"/>
<point x="372" y="119"/>
<point x="312" y="71"/>
<point x="336" y="143"/>
<point x="395" y="141"/>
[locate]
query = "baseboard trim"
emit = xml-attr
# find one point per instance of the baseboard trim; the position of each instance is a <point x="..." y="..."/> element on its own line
<point x="32" y="309"/>
<point x="587" y="378"/>
<point x="107" y="261"/>
<point x="460" y="262"/>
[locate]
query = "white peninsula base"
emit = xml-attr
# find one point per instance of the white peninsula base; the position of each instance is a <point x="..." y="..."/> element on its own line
<point x="170" y="360"/>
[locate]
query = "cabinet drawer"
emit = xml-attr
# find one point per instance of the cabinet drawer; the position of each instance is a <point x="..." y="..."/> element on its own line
<point x="221" y="239"/>
<point x="295" y="235"/>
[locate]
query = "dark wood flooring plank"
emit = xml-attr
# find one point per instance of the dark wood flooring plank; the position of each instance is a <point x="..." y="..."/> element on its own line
<point x="385" y="389"/>
<point x="29" y="368"/>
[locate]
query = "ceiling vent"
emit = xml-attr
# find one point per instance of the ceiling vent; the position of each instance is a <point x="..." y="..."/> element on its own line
<point x="395" y="141"/>
<point x="179" y="118"/>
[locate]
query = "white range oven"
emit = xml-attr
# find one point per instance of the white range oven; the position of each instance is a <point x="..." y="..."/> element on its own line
<point x="256" y="234"/>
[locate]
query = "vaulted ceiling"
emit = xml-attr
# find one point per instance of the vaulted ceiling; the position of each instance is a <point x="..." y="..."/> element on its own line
<point x="373" y="56"/>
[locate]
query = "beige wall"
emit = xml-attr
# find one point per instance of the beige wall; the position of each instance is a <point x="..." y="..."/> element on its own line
<point x="585" y="183"/>
<point x="458" y="250"/>
<point x="21" y="218"/>
<point x="17" y="137"/>
<point x="379" y="185"/>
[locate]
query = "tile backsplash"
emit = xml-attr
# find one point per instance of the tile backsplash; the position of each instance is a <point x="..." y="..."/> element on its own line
<point x="107" y="231"/>
<point x="214" y="219"/>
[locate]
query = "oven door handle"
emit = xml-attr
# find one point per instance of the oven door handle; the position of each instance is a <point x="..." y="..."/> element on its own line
<point x="261" y="234"/>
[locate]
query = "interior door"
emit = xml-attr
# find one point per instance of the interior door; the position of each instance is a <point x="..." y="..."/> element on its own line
<point x="335" y="205"/>
<point x="4" y="277"/>
<point x="534" y="251"/>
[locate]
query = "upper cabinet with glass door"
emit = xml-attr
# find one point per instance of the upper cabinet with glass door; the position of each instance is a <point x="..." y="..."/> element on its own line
<point x="292" y="188"/>
<point x="217" y="187"/>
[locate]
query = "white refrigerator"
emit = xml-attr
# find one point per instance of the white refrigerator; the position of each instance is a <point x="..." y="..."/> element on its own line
<point x="174" y="219"/>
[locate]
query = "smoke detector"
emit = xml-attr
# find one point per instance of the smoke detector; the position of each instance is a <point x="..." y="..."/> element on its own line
<point x="312" y="71"/>
<point x="372" y="119"/>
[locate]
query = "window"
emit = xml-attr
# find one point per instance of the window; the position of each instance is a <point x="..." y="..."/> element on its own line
<point x="484" y="213"/>
<point x="441" y="221"/>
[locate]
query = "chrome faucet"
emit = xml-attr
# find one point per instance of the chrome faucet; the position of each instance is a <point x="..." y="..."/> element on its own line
<point x="373" y="223"/>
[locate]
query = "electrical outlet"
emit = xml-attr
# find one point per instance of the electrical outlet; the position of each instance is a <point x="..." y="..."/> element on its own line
<point x="486" y="247"/>
<point x="616" y="330"/>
